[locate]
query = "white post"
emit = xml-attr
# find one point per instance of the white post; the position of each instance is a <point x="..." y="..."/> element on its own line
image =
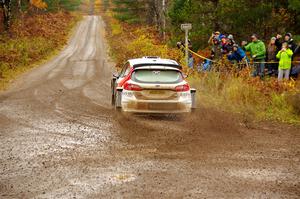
<point x="164" y="19"/>
<point x="186" y="27"/>
<point x="187" y="46"/>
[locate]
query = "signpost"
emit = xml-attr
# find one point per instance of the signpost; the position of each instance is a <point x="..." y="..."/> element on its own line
<point x="164" y="19"/>
<point x="186" y="27"/>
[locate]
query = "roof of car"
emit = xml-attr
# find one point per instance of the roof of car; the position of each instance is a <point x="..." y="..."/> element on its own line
<point x="151" y="60"/>
<point x="158" y="67"/>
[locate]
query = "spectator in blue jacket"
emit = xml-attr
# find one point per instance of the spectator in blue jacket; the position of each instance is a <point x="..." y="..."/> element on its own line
<point x="237" y="55"/>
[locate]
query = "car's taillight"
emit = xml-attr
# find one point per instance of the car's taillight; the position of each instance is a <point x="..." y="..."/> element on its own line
<point x="132" y="87"/>
<point x="182" y="88"/>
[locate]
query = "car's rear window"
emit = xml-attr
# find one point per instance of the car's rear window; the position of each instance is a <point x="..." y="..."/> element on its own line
<point x="157" y="76"/>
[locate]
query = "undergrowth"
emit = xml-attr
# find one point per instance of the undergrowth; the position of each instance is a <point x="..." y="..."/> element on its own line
<point x="251" y="97"/>
<point x="132" y="41"/>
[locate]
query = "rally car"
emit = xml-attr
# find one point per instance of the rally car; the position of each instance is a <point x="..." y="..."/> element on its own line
<point x="152" y="85"/>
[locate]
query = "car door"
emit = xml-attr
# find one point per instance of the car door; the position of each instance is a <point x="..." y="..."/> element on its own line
<point x="124" y="74"/>
<point x="119" y="80"/>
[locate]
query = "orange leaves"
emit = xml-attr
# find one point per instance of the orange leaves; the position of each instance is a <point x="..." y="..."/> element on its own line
<point x="39" y="4"/>
<point x="132" y="41"/>
<point x="269" y="85"/>
<point x="45" y="25"/>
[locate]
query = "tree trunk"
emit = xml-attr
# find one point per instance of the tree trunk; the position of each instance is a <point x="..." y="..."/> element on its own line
<point x="20" y="6"/>
<point x="6" y="6"/>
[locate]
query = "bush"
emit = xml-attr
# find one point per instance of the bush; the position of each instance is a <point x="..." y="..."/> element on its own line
<point x="294" y="100"/>
<point x="127" y="41"/>
<point x="56" y="5"/>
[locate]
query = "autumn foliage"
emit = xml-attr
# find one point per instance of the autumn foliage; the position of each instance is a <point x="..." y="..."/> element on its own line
<point x="39" y="4"/>
<point x="32" y="39"/>
<point x="133" y="41"/>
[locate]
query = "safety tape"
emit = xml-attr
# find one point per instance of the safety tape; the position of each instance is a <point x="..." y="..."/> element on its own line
<point x="271" y="62"/>
<point x="201" y="56"/>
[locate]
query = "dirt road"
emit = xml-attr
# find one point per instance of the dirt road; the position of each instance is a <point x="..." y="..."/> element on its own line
<point x="60" y="138"/>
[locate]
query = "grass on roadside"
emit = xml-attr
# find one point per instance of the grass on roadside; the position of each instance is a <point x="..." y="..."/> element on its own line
<point x="235" y="94"/>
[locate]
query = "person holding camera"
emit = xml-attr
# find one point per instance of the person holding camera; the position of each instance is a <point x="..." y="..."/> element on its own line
<point x="285" y="61"/>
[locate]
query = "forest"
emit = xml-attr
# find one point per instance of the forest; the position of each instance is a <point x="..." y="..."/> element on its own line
<point x="13" y="9"/>
<point x="240" y="18"/>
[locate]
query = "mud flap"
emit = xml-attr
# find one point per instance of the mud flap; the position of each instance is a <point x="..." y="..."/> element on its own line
<point x="118" y="100"/>
<point x="113" y="91"/>
<point x="193" y="95"/>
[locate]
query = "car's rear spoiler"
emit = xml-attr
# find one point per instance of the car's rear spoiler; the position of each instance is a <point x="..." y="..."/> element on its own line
<point x="157" y="64"/>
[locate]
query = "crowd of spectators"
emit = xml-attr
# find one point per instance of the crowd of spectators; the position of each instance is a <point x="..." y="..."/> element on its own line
<point x="275" y="58"/>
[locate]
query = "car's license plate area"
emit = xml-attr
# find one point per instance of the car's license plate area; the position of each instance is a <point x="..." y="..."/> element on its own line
<point x="161" y="106"/>
<point x="157" y="92"/>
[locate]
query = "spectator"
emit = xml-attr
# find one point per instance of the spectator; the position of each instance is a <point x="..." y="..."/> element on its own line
<point x="181" y="46"/>
<point x="230" y="43"/>
<point x="257" y="50"/>
<point x="216" y="50"/>
<point x="297" y="50"/>
<point x="288" y="39"/>
<point x="295" y="71"/>
<point x="214" y="35"/>
<point x="271" y="57"/>
<point x="224" y="44"/>
<point x="205" y="65"/>
<point x="285" y="61"/>
<point x="190" y="55"/>
<point x="230" y="37"/>
<point x="237" y="55"/>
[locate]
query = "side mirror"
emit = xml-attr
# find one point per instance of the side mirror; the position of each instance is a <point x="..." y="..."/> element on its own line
<point x="193" y="91"/>
<point x="116" y="74"/>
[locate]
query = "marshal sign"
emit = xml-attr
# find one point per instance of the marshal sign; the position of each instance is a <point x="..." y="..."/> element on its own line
<point x="186" y="26"/>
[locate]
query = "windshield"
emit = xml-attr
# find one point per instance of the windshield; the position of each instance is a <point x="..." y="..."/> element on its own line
<point x="157" y="76"/>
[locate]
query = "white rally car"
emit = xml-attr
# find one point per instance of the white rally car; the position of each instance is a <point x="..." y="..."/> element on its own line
<point x="152" y="85"/>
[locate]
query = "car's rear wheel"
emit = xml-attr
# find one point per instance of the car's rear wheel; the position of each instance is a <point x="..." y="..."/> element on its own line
<point x="193" y="95"/>
<point x="118" y="101"/>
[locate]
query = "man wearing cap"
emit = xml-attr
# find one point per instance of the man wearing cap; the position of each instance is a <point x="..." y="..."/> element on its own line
<point x="257" y="50"/>
<point x="214" y="35"/>
<point x="224" y="44"/>
<point x="237" y="55"/>
<point x="230" y="42"/>
<point x="288" y="39"/>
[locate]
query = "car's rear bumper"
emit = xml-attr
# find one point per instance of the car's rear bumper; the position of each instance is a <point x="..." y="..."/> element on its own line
<point x="152" y="106"/>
